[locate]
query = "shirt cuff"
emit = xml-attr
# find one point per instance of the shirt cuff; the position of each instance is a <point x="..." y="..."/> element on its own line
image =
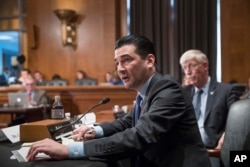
<point x="98" y="131"/>
<point x="76" y="149"/>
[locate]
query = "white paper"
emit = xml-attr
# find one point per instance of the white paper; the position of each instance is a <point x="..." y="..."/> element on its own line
<point x="66" y="141"/>
<point x="88" y="119"/>
<point x="12" y="133"/>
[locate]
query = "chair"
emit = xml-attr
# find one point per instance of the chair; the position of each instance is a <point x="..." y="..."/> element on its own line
<point x="240" y="88"/>
<point x="86" y="81"/>
<point x="57" y="82"/>
<point x="237" y="132"/>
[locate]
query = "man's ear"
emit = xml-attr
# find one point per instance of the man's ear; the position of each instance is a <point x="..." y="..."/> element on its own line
<point x="151" y="60"/>
<point x="205" y="65"/>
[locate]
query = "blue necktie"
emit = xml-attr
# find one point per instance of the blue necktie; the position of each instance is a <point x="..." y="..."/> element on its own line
<point x="137" y="110"/>
<point x="197" y="104"/>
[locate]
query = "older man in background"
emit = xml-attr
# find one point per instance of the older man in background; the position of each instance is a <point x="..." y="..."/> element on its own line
<point x="211" y="99"/>
<point x="36" y="98"/>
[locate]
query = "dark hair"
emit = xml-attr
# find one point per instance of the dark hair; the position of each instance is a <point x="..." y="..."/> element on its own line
<point x="27" y="70"/>
<point x="143" y="45"/>
<point x="56" y="76"/>
<point x="83" y="73"/>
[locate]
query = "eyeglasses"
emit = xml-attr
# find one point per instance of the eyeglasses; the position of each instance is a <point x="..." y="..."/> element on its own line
<point x="190" y="66"/>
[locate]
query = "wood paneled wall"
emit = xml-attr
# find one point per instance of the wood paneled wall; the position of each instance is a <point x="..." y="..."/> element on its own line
<point x="99" y="25"/>
<point x="102" y="22"/>
<point x="235" y="40"/>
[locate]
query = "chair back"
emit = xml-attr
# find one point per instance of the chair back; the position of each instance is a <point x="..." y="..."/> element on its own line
<point x="57" y="82"/>
<point x="237" y="132"/>
<point x="86" y="81"/>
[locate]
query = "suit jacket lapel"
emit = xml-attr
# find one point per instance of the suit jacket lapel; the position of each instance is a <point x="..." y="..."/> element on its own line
<point x="144" y="104"/>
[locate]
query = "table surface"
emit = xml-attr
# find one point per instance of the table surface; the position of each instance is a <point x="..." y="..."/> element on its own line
<point x="5" y="153"/>
<point x="16" y="110"/>
<point x="12" y="110"/>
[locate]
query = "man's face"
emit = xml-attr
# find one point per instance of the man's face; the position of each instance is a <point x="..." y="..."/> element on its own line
<point x="196" y="72"/>
<point x="133" y="70"/>
<point x="24" y="74"/>
<point x="38" y="76"/>
<point x="79" y="75"/>
<point x="29" y="85"/>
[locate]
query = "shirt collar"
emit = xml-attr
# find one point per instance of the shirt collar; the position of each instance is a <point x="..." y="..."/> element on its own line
<point x="144" y="88"/>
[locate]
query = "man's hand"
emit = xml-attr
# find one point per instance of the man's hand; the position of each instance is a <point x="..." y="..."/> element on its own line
<point x="220" y="141"/>
<point x="50" y="147"/>
<point x="84" y="133"/>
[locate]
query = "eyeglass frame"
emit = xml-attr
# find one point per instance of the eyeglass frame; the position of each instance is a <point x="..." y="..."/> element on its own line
<point x="190" y="66"/>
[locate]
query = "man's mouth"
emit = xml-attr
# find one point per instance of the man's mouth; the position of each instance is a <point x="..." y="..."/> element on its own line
<point x="125" y="78"/>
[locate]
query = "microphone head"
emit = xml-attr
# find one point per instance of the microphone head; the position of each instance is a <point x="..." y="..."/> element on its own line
<point x="105" y="100"/>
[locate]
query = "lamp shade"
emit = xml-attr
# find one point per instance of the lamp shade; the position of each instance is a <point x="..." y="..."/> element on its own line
<point x="65" y="14"/>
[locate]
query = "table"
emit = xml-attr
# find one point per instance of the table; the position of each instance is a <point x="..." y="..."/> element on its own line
<point x="5" y="153"/>
<point x="31" y="113"/>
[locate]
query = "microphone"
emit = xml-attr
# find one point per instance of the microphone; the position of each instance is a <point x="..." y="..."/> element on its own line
<point x="103" y="101"/>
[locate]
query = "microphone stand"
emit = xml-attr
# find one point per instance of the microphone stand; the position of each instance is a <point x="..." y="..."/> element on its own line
<point x="60" y="129"/>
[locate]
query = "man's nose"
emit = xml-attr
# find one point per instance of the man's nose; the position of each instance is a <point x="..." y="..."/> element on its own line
<point x="120" y="68"/>
<point x="188" y="71"/>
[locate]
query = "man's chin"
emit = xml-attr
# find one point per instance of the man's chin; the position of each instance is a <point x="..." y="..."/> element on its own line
<point x="126" y="85"/>
<point x="192" y="83"/>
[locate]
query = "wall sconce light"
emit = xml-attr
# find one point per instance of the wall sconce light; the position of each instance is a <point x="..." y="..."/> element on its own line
<point x="68" y="24"/>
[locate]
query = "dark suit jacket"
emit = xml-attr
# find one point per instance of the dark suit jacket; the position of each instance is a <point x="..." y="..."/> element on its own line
<point x="166" y="133"/>
<point x="3" y="80"/>
<point x="219" y="100"/>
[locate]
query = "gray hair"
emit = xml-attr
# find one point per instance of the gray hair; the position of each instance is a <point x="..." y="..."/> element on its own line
<point x="193" y="54"/>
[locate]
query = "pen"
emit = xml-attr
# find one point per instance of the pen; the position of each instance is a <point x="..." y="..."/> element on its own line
<point x="72" y="136"/>
<point x="88" y="132"/>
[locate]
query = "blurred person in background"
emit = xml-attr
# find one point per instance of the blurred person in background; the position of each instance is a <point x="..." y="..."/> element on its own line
<point x="39" y="78"/>
<point x="109" y="78"/>
<point x="246" y="95"/>
<point x="36" y="98"/>
<point x="24" y="74"/>
<point x="83" y="79"/>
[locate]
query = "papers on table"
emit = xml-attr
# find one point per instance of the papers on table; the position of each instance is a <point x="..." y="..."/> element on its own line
<point x="12" y="133"/>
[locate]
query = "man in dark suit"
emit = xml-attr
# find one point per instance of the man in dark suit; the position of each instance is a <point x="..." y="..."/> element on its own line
<point x="164" y="133"/>
<point x="216" y="99"/>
